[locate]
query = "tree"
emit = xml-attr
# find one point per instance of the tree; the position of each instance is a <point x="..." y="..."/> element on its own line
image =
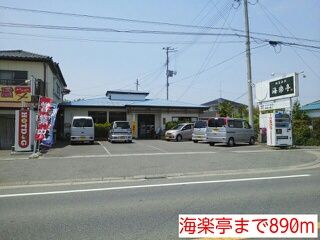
<point x="242" y="112"/>
<point x="225" y="109"/>
<point x="300" y="125"/>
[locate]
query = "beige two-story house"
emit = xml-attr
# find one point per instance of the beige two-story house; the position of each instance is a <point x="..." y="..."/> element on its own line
<point x="23" y="76"/>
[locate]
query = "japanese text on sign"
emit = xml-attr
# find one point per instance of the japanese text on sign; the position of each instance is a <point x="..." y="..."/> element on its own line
<point x="248" y="226"/>
<point x="281" y="87"/>
<point x="44" y="114"/>
<point x="15" y="93"/>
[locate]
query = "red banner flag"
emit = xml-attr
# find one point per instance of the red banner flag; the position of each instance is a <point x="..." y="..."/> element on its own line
<point x="44" y="112"/>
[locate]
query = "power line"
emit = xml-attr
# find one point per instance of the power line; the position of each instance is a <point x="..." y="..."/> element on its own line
<point x="140" y="31"/>
<point x="208" y="57"/>
<point x="112" y="41"/>
<point x="220" y="63"/>
<point x="267" y="13"/>
<point x="109" y="30"/>
<point x="144" y="21"/>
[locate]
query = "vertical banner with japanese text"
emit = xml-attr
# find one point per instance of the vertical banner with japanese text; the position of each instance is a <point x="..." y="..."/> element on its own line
<point x="44" y="111"/>
<point x="48" y="140"/>
<point x="23" y="130"/>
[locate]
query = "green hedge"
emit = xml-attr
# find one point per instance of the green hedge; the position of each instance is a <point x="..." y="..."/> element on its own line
<point x="171" y="124"/>
<point x="101" y="130"/>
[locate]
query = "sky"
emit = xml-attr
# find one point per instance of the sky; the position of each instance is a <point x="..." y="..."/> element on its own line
<point x="208" y="67"/>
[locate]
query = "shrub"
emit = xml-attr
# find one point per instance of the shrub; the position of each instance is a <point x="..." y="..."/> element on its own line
<point x="301" y="132"/>
<point x="101" y="130"/>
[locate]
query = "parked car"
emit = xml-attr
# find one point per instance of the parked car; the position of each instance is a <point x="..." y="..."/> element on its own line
<point x="182" y="131"/>
<point x="82" y="129"/>
<point x="229" y="131"/>
<point x="120" y="132"/>
<point x="200" y="131"/>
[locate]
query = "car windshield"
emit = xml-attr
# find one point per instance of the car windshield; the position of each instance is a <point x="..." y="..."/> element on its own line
<point x="200" y="124"/>
<point x="82" y="122"/>
<point x="122" y="125"/>
<point x="216" y="122"/>
<point x="178" y="127"/>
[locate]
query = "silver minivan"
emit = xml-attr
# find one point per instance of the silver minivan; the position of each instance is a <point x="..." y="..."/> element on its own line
<point x="179" y="132"/>
<point x="200" y="131"/>
<point x="229" y="131"/>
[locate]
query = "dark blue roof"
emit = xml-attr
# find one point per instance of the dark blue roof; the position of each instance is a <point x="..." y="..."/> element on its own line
<point x="311" y="106"/>
<point x="106" y="102"/>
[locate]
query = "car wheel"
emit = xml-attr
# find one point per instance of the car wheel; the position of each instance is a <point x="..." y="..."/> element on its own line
<point x="179" y="138"/>
<point x="252" y="141"/>
<point x="231" y="142"/>
<point x="211" y="143"/>
<point x="91" y="142"/>
<point x="195" y="141"/>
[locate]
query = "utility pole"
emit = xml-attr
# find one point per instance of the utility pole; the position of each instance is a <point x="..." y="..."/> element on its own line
<point x="248" y="54"/>
<point x="169" y="73"/>
<point x="137" y="85"/>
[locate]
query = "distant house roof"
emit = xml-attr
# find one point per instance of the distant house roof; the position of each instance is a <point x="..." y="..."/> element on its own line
<point x="156" y="103"/>
<point x="221" y="100"/>
<point x="311" y="106"/>
<point x="20" y="55"/>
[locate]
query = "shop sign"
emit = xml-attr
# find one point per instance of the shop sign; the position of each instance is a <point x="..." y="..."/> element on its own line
<point x="10" y="93"/>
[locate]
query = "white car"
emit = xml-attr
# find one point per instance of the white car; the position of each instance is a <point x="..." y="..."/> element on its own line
<point x="82" y="129"/>
<point x="120" y="132"/>
<point x="180" y="132"/>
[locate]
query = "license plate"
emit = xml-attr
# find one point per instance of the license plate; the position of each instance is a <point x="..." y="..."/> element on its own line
<point x="82" y="138"/>
<point x="215" y="129"/>
<point x="122" y="137"/>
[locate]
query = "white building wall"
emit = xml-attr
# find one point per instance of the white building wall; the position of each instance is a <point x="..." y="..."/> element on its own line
<point x="33" y="68"/>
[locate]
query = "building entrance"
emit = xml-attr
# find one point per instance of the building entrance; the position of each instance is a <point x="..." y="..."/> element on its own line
<point x="146" y="129"/>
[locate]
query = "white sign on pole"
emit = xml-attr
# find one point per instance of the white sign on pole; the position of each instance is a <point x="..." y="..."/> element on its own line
<point x="277" y="104"/>
<point x="282" y="87"/>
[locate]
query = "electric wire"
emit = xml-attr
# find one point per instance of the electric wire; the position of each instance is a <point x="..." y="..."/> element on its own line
<point x="208" y="57"/>
<point x="270" y="16"/>
<point x="142" y="21"/>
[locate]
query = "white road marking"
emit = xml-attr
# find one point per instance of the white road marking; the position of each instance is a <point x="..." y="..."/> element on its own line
<point x="150" y="146"/>
<point x="151" y="186"/>
<point x="104" y="148"/>
<point x="254" y="151"/>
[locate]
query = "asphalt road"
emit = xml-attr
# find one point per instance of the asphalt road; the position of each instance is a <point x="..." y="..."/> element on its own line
<point x="121" y="210"/>
<point x="144" y="159"/>
<point x="137" y="191"/>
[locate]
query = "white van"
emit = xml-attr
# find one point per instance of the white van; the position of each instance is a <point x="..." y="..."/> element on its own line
<point x="229" y="131"/>
<point x="82" y="129"/>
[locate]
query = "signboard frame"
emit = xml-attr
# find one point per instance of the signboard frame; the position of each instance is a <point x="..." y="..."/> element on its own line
<point x="263" y="89"/>
<point x="23" y="130"/>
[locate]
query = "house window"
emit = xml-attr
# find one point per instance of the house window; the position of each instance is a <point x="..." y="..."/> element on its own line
<point x="98" y="117"/>
<point x="117" y="116"/>
<point x="13" y="77"/>
<point x="184" y="119"/>
<point x="58" y="90"/>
